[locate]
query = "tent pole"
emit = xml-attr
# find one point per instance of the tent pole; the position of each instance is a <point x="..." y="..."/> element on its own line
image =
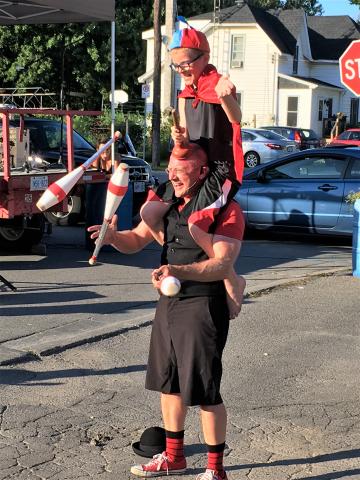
<point x="112" y="92"/>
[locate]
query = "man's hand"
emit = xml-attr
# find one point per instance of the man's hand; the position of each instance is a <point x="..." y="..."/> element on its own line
<point x="110" y="232"/>
<point x="159" y="274"/>
<point x="178" y="135"/>
<point x="224" y="87"/>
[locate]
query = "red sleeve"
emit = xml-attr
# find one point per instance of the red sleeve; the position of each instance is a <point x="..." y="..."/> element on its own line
<point x="230" y="222"/>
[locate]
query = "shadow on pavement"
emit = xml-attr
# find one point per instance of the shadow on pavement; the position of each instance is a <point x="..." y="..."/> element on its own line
<point x="74" y="258"/>
<point x="93" y="308"/>
<point x="11" y="376"/>
<point x="328" y="457"/>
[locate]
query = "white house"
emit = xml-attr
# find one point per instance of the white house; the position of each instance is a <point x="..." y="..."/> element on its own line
<point x="285" y="64"/>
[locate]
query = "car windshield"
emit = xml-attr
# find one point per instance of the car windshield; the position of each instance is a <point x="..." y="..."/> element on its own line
<point x="309" y="134"/>
<point x="47" y="136"/>
<point x="270" y="135"/>
<point x="343" y="135"/>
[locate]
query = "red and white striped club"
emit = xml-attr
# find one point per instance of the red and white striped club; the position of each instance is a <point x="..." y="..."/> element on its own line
<point x="116" y="191"/>
<point x="57" y="191"/>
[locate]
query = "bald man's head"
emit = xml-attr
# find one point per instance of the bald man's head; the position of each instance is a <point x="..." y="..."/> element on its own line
<point x="192" y="152"/>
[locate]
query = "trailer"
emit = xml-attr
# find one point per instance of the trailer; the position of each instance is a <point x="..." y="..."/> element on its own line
<point x="22" y="180"/>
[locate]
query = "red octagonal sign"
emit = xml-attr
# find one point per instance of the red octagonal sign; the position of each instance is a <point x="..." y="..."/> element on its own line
<point x="350" y="67"/>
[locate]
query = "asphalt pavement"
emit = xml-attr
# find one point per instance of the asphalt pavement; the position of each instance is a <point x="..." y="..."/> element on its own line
<point x="60" y="301"/>
<point x="290" y="384"/>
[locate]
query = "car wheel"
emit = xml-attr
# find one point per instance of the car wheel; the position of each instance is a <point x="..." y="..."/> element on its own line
<point x="71" y="217"/>
<point x="20" y="236"/>
<point x="251" y="159"/>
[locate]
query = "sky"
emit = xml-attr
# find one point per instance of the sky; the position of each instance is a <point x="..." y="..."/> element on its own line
<point x="340" y="7"/>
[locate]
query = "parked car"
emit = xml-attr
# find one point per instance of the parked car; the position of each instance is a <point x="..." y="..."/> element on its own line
<point x="349" y="137"/>
<point x="304" y="137"/>
<point x="303" y="192"/>
<point x="261" y="146"/>
<point x="45" y="142"/>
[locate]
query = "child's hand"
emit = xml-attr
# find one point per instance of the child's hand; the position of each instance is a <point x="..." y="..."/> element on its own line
<point x="224" y="87"/>
<point x="178" y="135"/>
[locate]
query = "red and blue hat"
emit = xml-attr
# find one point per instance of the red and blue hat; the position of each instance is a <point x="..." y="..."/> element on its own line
<point x="189" y="38"/>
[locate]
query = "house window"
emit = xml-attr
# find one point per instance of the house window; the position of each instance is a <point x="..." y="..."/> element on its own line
<point x="296" y="60"/>
<point x="292" y="111"/>
<point x="237" y="51"/>
<point x="320" y="110"/>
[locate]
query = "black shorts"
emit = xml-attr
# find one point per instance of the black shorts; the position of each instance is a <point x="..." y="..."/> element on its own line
<point x="187" y="340"/>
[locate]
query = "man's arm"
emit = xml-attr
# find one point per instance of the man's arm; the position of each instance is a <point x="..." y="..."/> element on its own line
<point x="226" y="251"/>
<point x="126" y="241"/>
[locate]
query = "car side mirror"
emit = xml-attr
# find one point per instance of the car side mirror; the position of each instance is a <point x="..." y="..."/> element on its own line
<point x="261" y="176"/>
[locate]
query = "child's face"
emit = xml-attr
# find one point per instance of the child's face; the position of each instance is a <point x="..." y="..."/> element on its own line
<point x="189" y="63"/>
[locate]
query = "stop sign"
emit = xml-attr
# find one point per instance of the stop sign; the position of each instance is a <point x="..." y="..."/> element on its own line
<point x="349" y="63"/>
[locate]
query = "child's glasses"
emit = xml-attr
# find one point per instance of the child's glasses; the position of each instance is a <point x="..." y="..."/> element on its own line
<point x="184" y="66"/>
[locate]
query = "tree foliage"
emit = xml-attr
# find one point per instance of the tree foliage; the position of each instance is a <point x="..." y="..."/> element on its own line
<point x="311" y="7"/>
<point x="33" y="55"/>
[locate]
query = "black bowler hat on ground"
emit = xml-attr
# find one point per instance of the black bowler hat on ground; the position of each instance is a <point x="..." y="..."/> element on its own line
<point x="152" y="442"/>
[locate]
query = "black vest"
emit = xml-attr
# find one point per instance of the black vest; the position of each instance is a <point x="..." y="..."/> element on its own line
<point x="180" y="249"/>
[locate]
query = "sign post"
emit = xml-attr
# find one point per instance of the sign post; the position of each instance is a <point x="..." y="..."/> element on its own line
<point x="145" y="93"/>
<point x="116" y="97"/>
<point x="349" y="64"/>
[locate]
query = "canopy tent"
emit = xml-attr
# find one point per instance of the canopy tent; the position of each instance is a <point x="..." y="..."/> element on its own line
<point x="55" y="11"/>
<point x="64" y="11"/>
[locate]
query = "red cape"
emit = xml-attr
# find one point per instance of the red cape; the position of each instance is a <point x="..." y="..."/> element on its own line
<point x="205" y="90"/>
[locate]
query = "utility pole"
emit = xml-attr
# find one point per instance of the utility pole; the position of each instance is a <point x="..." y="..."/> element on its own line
<point x="156" y="112"/>
<point x="168" y="94"/>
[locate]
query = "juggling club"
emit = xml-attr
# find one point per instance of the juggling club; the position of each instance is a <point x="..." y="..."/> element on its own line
<point x="116" y="191"/>
<point x="58" y="190"/>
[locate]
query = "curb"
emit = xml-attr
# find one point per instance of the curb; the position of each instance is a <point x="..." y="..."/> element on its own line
<point x="282" y="284"/>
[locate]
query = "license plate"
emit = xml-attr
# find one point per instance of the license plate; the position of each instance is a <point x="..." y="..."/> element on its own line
<point x="139" y="187"/>
<point x="39" y="183"/>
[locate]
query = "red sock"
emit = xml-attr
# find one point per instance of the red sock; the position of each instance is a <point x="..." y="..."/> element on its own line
<point x="174" y="445"/>
<point x="215" y="457"/>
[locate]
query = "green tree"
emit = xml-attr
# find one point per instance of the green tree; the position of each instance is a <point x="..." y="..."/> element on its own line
<point x="311" y="7"/>
<point x="34" y="55"/>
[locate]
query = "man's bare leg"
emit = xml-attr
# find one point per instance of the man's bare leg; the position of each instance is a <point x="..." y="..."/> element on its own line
<point x="213" y="420"/>
<point x="172" y="461"/>
<point x="173" y="412"/>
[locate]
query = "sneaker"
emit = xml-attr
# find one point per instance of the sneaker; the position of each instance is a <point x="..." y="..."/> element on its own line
<point x="212" y="475"/>
<point x="160" y="465"/>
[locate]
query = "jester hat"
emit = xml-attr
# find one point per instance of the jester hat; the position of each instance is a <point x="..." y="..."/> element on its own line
<point x="188" y="37"/>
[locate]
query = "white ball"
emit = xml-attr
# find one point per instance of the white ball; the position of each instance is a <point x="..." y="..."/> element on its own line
<point x="170" y="286"/>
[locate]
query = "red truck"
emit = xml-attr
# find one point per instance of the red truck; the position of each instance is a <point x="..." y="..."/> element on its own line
<point x="23" y="180"/>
